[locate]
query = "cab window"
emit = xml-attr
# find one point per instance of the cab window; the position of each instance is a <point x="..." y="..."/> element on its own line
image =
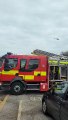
<point x="22" y="64"/>
<point x="33" y="64"/>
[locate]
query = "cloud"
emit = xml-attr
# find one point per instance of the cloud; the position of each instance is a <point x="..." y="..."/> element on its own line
<point x="26" y="25"/>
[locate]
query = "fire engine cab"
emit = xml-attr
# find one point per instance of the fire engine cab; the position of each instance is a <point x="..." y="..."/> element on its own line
<point x="24" y="72"/>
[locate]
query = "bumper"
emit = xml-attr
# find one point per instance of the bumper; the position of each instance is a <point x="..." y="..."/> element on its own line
<point x="4" y="86"/>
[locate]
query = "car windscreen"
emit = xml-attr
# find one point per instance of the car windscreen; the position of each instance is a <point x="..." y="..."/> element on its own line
<point x="61" y="88"/>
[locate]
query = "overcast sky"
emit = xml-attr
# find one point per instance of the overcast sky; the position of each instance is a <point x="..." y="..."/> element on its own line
<point x="26" y="25"/>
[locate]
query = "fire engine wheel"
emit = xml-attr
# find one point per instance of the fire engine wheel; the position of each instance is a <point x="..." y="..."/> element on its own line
<point x="17" y="88"/>
<point x="44" y="107"/>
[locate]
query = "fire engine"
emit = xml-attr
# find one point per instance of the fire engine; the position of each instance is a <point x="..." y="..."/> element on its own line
<point x="24" y="72"/>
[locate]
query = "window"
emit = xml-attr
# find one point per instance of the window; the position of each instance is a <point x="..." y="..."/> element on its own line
<point x="1" y="62"/>
<point x="10" y="63"/>
<point x="33" y="64"/>
<point x="22" y="64"/>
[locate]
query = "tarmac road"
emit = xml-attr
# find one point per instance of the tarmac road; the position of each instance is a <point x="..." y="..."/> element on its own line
<point x="31" y="107"/>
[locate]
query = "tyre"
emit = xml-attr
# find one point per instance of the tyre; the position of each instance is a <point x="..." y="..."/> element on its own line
<point x="17" y="88"/>
<point x="44" y="107"/>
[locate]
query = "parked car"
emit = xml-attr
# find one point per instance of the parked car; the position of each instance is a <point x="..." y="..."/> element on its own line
<point x="55" y="101"/>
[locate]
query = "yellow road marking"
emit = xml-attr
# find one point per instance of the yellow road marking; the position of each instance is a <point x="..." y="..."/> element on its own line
<point x="2" y="103"/>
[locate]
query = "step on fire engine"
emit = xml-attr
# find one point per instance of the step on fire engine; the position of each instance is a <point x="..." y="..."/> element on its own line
<point x="24" y="72"/>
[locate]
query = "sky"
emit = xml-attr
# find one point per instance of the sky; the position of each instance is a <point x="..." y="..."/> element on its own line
<point x="26" y="25"/>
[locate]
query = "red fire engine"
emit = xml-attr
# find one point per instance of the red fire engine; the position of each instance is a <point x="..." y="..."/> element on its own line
<point x="24" y="72"/>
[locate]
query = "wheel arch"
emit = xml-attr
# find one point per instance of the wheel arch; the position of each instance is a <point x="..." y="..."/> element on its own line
<point x="18" y="79"/>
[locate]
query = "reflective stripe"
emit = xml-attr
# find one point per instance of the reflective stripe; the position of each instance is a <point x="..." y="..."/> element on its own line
<point x="60" y="62"/>
<point x="43" y="73"/>
<point x="36" y="73"/>
<point x="53" y="61"/>
<point x="29" y="77"/>
<point x="25" y="77"/>
<point x="63" y="62"/>
<point x="11" y="72"/>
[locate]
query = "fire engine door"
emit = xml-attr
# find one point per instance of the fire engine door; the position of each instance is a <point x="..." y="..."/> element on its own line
<point x="29" y="70"/>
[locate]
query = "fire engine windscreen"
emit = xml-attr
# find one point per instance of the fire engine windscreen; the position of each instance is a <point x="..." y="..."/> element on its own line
<point x="10" y="63"/>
